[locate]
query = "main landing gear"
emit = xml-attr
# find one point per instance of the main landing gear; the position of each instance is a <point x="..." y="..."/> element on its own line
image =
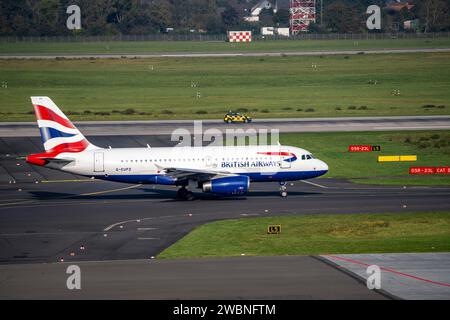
<point x="283" y="190"/>
<point x="185" y="194"/>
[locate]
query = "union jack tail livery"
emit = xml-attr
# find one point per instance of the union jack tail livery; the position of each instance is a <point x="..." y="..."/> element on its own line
<point x="58" y="133"/>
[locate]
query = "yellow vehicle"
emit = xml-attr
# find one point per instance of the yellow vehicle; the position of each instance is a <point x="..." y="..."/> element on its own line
<point x="232" y="117"/>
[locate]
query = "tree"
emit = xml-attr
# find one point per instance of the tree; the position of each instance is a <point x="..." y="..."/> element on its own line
<point x="342" y="18"/>
<point x="215" y="25"/>
<point x="266" y="17"/>
<point x="315" y="28"/>
<point x="433" y="14"/>
<point x="94" y="16"/>
<point x="160" y="14"/>
<point x="281" y="18"/>
<point x="230" y="17"/>
<point x="15" y="18"/>
<point x="202" y="11"/>
<point x="45" y="18"/>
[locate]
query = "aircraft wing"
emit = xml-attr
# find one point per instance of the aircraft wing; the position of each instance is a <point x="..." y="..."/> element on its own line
<point x="194" y="174"/>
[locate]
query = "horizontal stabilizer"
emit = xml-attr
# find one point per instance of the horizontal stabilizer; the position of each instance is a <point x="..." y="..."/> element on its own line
<point x="41" y="159"/>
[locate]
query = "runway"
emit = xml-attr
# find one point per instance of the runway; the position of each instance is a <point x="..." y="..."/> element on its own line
<point x="221" y="54"/>
<point x="166" y="127"/>
<point x="46" y="215"/>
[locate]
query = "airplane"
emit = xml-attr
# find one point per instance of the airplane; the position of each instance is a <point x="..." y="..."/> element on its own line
<point x="220" y="170"/>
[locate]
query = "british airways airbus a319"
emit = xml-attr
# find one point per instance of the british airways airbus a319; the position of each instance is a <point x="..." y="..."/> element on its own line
<point x="226" y="170"/>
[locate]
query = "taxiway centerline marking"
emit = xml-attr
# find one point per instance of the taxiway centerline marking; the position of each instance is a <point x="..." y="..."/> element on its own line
<point x="12" y="203"/>
<point x="109" y="191"/>
<point x="45" y="233"/>
<point x="314" y="184"/>
<point x="4" y="200"/>
<point x="44" y="205"/>
<point x="70" y="180"/>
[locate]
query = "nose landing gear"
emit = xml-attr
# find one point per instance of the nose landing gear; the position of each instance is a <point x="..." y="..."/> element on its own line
<point x="283" y="189"/>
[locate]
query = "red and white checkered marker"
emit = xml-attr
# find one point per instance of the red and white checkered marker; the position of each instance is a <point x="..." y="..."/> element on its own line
<point x="239" y="36"/>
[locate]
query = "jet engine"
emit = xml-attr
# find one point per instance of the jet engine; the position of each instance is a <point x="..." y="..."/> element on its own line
<point x="233" y="185"/>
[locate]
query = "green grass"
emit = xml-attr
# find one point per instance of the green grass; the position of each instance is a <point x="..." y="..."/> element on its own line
<point x="317" y="234"/>
<point x="146" y="47"/>
<point x="431" y="147"/>
<point x="268" y="87"/>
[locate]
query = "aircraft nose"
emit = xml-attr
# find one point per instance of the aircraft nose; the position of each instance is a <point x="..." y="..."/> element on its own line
<point x="323" y="166"/>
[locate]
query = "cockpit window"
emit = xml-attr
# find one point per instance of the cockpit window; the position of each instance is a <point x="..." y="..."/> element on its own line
<point x="308" y="157"/>
<point x="303" y="157"/>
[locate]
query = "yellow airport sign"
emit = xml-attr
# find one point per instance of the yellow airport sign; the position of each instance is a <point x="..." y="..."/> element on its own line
<point x="388" y="158"/>
<point x="397" y="158"/>
<point x="274" y="229"/>
<point x="408" y="158"/>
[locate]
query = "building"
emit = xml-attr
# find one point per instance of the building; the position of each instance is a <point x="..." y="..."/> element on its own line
<point x="255" y="11"/>
<point x="395" y="6"/>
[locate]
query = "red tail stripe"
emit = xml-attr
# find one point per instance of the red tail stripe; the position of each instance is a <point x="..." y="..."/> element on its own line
<point x="73" y="147"/>
<point x="43" y="113"/>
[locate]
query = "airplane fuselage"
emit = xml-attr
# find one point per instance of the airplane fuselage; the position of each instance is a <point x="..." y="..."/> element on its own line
<point x="146" y="165"/>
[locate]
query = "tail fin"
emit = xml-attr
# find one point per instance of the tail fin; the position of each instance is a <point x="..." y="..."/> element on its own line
<point x="57" y="132"/>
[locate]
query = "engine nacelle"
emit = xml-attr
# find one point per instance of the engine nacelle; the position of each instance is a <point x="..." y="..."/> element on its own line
<point x="227" y="185"/>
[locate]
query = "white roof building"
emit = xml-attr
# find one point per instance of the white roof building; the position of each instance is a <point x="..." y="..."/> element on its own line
<point x="256" y="10"/>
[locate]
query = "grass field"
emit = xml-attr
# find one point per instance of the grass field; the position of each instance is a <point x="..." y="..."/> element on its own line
<point x="317" y="234"/>
<point x="166" y="88"/>
<point x="145" y="47"/>
<point x="431" y="148"/>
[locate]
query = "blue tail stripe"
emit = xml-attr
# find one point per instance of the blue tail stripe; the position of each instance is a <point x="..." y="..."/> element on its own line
<point x="50" y="133"/>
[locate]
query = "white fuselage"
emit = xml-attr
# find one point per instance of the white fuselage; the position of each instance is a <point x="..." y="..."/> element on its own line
<point x="142" y="165"/>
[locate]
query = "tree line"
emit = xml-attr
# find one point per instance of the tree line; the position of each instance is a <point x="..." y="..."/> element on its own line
<point x="134" y="17"/>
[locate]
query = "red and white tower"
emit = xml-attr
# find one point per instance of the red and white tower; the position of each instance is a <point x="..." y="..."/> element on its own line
<point x="303" y="12"/>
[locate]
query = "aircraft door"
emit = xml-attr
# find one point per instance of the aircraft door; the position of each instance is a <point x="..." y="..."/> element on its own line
<point x="99" y="165"/>
<point x="285" y="157"/>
